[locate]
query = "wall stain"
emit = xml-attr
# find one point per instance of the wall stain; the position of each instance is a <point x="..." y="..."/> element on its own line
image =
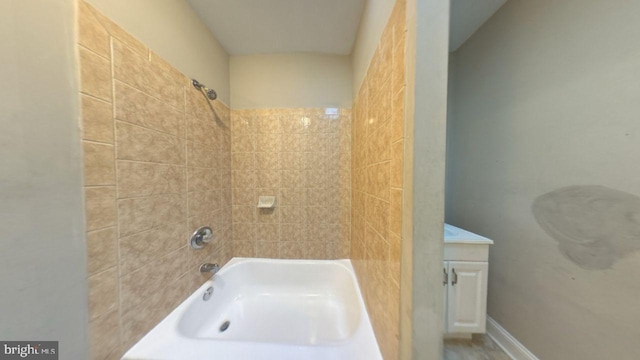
<point x="593" y="225"/>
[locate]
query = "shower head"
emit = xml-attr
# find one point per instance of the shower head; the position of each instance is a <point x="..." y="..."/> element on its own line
<point x="209" y="93"/>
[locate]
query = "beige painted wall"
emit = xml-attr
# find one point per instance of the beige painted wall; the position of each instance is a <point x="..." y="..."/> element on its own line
<point x="545" y="97"/>
<point x="172" y="29"/>
<point x="423" y="209"/>
<point x="290" y="81"/>
<point x="374" y="19"/>
<point x="42" y="245"/>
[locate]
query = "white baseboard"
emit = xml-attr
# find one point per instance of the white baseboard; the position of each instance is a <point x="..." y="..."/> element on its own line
<point x="507" y="342"/>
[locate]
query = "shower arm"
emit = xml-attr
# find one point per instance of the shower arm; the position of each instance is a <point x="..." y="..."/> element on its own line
<point x="209" y="94"/>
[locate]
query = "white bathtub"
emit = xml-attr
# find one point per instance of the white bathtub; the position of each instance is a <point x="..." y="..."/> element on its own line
<point x="276" y="309"/>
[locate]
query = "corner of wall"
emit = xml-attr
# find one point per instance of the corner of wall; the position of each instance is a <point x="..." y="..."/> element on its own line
<point x="427" y="62"/>
<point x="190" y="46"/>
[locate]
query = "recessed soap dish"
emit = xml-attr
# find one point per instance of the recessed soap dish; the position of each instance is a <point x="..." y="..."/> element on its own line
<point x="266" y="202"/>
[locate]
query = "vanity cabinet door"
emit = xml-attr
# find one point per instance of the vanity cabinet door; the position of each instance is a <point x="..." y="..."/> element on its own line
<point x="467" y="297"/>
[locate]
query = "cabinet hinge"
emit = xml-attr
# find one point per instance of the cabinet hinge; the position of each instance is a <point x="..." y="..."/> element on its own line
<point x="445" y="279"/>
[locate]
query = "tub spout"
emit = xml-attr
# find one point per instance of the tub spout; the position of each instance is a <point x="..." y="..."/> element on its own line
<point x="208" y="267"/>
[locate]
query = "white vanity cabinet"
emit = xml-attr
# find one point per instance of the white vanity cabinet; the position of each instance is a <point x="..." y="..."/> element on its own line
<point x="466" y="296"/>
<point x="465" y="273"/>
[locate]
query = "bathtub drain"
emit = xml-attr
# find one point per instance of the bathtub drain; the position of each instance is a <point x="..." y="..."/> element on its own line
<point x="225" y="326"/>
<point x="208" y="293"/>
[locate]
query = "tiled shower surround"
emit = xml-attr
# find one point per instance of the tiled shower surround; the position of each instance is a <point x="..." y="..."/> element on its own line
<point x="378" y="133"/>
<point x="303" y="157"/>
<point x="157" y="165"/>
<point x="160" y="163"/>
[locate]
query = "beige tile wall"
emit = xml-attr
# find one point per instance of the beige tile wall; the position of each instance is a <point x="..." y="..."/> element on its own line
<point x="303" y="157"/>
<point x="157" y="165"/>
<point x="378" y="132"/>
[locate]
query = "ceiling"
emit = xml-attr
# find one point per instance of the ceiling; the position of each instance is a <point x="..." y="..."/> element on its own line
<point x="467" y="16"/>
<point x="282" y="26"/>
<point x="246" y="27"/>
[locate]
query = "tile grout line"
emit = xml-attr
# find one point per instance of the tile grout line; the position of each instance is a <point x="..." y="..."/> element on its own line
<point x="116" y="118"/>
<point x="144" y="92"/>
<point x="98" y="143"/>
<point x="117" y="210"/>
<point x="93" y="97"/>
<point x="92" y="51"/>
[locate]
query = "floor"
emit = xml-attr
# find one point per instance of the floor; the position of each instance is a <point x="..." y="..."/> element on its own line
<point x="481" y="347"/>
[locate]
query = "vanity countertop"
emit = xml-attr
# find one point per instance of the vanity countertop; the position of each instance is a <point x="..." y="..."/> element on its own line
<point x="455" y="235"/>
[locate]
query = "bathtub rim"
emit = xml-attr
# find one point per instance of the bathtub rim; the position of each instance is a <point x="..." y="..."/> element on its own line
<point x="166" y="328"/>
